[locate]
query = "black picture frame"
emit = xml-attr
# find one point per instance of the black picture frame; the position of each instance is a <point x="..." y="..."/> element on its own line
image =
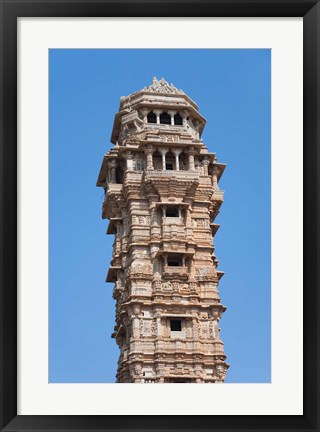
<point x="10" y="11"/>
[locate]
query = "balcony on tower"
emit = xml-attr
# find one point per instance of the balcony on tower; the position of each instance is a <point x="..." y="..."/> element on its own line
<point x="172" y="220"/>
<point x="175" y="265"/>
<point x="170" y="172"/>
<point x="111" y="177"/>
<point x="113" y="272"/>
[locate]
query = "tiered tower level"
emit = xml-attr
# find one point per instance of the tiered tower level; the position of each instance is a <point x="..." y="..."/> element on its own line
<point x="161" y="198"/>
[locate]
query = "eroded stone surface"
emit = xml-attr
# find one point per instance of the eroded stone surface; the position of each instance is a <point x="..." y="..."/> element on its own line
<point x="161" y="197"/>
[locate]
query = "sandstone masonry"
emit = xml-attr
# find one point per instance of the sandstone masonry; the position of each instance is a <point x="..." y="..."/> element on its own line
<point x="161" y="198"/>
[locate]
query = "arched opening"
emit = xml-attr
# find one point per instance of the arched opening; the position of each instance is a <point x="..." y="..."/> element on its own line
<point x="178" y="119"/>
<point x="151" y="117"/>
<point x="165" y="118"/>
<point x="157" y="161"/>
<point x="170" y="161"/>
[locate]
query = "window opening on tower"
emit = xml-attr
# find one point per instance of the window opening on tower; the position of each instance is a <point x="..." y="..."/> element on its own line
<point x="152" y="118"/>
<point x="175" y="325"/>
<point x="174" y="262"/>
<point x="178" y="119"/>
<point x="172" y="212"/>
<point x="165" y="118"/>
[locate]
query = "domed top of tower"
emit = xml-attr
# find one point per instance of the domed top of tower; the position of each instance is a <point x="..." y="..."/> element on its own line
<point x="159" y="98"/>
<point x="158" y="88"/>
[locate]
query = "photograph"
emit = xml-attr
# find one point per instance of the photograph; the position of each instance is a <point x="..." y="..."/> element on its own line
<point x="159" y="216"/>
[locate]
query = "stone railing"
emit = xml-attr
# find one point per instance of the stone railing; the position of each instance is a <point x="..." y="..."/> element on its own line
<point x="187" y="175"/>
<point x="169" y="231"/>
<point x="163" y="127"/>
<point x="189" y="345"/>
<point x="175" y="271"/>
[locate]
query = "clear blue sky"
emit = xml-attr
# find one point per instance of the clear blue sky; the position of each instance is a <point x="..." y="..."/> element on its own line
<point x="232" y="89"/>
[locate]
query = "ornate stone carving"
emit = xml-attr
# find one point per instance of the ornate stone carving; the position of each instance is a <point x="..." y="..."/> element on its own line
<point x="141" y="220"/>
<point x="161" y="181"/>
<point x="206" y="273"/>
<point x="140" y="270"/>
<point x="161" y="86"/>
<point x="202" y="223"/>
<point x="221" y="371"/>
<point x="135" y="371"/>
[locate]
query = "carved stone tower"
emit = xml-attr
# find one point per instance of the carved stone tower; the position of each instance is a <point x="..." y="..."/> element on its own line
<point x="161" y="197"/>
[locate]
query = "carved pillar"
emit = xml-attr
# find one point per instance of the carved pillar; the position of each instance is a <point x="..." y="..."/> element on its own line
<point x="129" y="160"/>
<point x="188" y="217"/>
<point x="164" y="161"/>
<point x="191" y="159"/>
<point x="195" y="328"/>
<point x="205" y="165"/>
<point x="163" y="153"/>
<point x="172" y="114"/>
<point x="118" y="238"/>
<point x="158" y="325"/>
<point x="153" y="215"/>
<point x="177" y="153"/>
<point x="215" y="177"/>
<point x="144" y="112"/>
<point x="197" y="128"/>
<point x="155" y="230"/>
<point x="184" y="116"/>
<point x="135" y="327"/>
<point x="157" y="268"/>
<point x="112" y="171"/>
<point x="149" y="153"/>
<point x="157" y="113"/>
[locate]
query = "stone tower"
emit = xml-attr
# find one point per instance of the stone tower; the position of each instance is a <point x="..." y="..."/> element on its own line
<point x="161" y="198"/>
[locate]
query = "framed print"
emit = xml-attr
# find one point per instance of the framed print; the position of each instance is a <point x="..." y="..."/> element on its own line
<point x="63" y="63"/>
